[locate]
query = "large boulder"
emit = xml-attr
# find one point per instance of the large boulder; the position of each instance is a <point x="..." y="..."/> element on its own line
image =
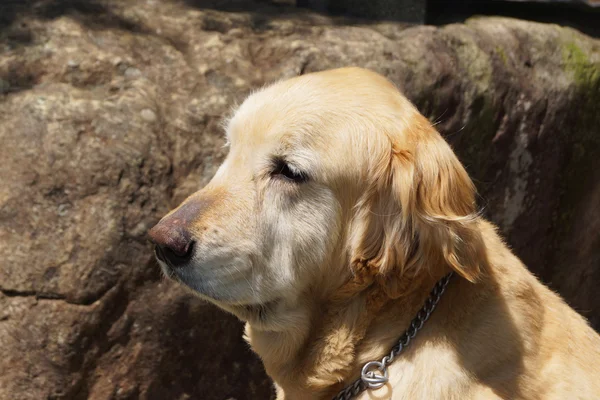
<point x="110" y="116"/>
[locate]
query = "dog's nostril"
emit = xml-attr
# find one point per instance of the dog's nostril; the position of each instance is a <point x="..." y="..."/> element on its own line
<point x="173" y="243"/>
<point x="174" y="256"/>
<point x="180" y="252"/>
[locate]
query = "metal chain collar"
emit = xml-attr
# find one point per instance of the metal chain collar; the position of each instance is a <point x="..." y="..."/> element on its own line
<point x="374" y="374"/>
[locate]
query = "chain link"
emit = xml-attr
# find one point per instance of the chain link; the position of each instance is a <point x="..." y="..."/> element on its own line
<point x="364" y="382"/>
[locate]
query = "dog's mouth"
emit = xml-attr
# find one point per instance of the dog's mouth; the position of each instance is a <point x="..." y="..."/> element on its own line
<point x="167" y="269"/>
<point x="255" y="311"/>
<point x="174" y="272"/>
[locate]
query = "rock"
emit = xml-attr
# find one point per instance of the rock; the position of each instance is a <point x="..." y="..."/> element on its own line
<point x="148" y="115"/>
<point x="412" y="11"/>
<point x="72" y="64"/>
<point x="92" y="158"/>
<point x="132" y="73"/>
<point x="4" y="86"/>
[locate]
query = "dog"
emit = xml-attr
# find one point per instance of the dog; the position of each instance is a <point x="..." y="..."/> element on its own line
<point x="336" y="211"/>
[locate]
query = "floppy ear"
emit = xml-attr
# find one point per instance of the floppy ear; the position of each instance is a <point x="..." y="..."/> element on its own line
<point x="419" y="215"/>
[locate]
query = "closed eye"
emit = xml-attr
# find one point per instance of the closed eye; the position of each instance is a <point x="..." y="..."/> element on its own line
<point x="284" y="170"/>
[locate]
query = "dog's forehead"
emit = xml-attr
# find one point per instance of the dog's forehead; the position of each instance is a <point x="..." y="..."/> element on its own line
<point x="275" y="113"/>
<point x="334" y="118"/>
<point x="306" y="111"/>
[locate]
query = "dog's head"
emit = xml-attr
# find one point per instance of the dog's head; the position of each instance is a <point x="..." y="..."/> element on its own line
<point x="326" y="172"/>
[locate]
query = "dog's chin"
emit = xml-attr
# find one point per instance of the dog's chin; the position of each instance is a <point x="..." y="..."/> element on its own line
<point x="256" y="314"/>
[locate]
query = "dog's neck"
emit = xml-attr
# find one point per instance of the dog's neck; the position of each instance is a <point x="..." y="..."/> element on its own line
<point x="326" y="342"/>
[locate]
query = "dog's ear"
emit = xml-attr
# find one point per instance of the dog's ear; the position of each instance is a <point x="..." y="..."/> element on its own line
<point x="419" y="214"/>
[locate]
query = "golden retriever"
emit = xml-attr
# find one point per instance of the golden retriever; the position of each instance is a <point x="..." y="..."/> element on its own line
<point x="336" y="211"/>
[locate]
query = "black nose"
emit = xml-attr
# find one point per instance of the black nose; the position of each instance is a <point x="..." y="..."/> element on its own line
<point x="173" y="242"/>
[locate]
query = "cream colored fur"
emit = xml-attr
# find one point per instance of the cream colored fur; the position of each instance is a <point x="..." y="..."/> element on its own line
<point x="329" y="272"/>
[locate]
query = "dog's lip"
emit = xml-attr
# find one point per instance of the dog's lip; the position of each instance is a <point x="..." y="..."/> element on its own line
<point x="162" y="259"/>
<point x="168" y="270"/>
<point x="253" y="307"/>
<point x="159" y="255"/>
